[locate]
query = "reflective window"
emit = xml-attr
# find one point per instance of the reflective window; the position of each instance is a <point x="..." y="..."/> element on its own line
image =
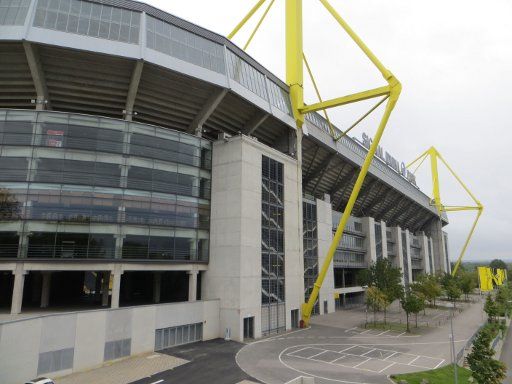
<point x="81" y="137"/>
<point x="246" y="75"/>
<point x="70" y="245"/>
<point x="13" y="12"/>
<point x="184" y="45"/>
<point x="64" y="171"/>
<point x="8" y="244"/>
<point x="15" y="133"/>
<point x="279" y="97"/>
<point x="91" y="19"/>
<point x="13" y="168"/>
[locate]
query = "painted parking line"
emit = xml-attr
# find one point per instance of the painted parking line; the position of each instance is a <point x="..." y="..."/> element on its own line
<point x="389" y="366"/>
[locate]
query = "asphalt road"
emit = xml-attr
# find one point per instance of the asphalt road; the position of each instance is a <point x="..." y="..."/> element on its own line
<point x="211" y="362"/>
<point x="506" y="357"/>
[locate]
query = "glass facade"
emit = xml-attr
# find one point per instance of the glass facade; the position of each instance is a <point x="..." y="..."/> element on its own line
<point x="90" y="19"/>
<point x="184" y="45"/>
<point x="310" y="242"/>
<point x="13" y="12"/>
<point x="272" y="246"/>
<point x="76" y="186"/>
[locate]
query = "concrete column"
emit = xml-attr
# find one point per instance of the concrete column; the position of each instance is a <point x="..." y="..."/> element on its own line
<point x="17" y="291"/>
<point x="118" y="252"/>
<point x="424" y="252"/>
<point x="408" y="255"/>
<point x="192" y="285"/>
<point x="369" y="241"/>
<point x="431" y="252"/>
<point x="45" y="289"/>
<point x="116" y="286"/>
<point x="399" y="251"/>
<point x="384" y="236"/>
<point x="435" y="231"/>
<point x="157" y="285"/>
<point x="324" y="237"/>
<point x="105" y="287"/>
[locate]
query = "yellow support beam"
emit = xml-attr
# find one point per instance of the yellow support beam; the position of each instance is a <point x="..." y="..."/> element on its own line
<point x="435" y="156"/>
<point x="258" y="25"/>
<point x="246" y="18"/>
<point x="353" y="98"/>
<point x="333" y="134"/>
<point x="294" y="79"/>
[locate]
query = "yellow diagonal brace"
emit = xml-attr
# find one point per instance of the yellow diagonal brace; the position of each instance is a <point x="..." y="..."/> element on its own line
<point x="385" y="73"/>
<point x="360" y="96"/>
<point x="344" y="133"/>
<point x="448" y="208"/>
<point x="333" y="134"/>
<point x="247" y="17"/>
<point x="458" y="179"/>
<point x="258" y="25"/>
<point x="468" y="239"/>
<point x="307" y="308"/>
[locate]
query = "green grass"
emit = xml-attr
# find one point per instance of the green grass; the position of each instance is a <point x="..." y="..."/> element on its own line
<point x="442" y="375"/>
<point x="399" y="327"/>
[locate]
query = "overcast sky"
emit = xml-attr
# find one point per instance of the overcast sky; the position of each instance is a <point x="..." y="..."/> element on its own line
<point x="454" y="59"/>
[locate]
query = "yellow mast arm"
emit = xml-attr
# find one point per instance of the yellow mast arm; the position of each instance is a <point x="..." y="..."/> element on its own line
<point x="258" y="25"/>
<point x="246" y="18"/>
<point x="393" y="91"/>
<point x="434" y="157"/>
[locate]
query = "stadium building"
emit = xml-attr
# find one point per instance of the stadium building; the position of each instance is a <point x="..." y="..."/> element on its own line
<point x="151" y="176"/>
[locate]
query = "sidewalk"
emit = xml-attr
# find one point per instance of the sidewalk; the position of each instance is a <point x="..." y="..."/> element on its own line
<point x="125" y="371"/>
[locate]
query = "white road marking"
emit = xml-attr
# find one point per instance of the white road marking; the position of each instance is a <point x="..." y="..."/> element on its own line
<point x="393" y="354"/>
<point x="362" y="333"/>
<point x="350" y="329"/>
<point x="357" y="365"/>
<point x="383" y="369"/>
<point x="382" y="333"/>
<point x="442" y="361"/>
<point x="371" y="350"/>
<point x="346" y="349"/>
<point x="311" y="357"/>
<point x="156" y="382"/>
<point x="400" y="334"/>
<point x="413" y="360"/>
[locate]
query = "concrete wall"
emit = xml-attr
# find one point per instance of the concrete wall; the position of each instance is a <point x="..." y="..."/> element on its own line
<point x="324" y="231"/>
<point x="369" y="241"/>
<point x="86" y="332"/>
<point x="234" y="272"/>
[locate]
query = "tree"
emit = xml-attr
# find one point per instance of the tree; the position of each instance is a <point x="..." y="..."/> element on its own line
<point x="387" y="278"/>
<point x="467" y="283"/>
<point x="429" y="287"/>
<point x="9" y="206"/>
<point x="490" y="308"/>
<point x="497" y="263"/>
<point x="411" y="303"/>
<point x="485" y="369"/>
<point x="375" y="299"/>
<point x="451" y="288"/>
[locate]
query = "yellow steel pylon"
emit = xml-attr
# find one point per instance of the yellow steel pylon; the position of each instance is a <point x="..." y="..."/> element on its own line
<point x="295" y="59"/>
<point x="436" y="199"/>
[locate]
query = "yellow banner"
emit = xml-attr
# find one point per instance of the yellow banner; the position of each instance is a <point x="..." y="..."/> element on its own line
<point x="485" y="277"/>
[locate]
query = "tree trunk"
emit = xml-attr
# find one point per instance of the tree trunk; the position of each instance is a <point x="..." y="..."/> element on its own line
<point x="374" y="316"/>
<point x="385" y="316"/>
<point x="416" y="319"/>
<point x="407" y="317"/>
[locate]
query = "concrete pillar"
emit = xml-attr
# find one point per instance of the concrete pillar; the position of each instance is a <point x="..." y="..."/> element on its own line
<point x="408" y="255"/>
<point x="118" y="252"/>
<point x="157" y="285"/>
<point x="192" y="285"/>
<point x="324" y="238"/>
<point x="431" y="252"/>
<point x="17" y="291"/>
<point x="424" y="252"/>
<point x="369" y="241"/>
<point x="435" y="231"/>
<point x="397" y="231"/>
<point x="45" y="289"/>
<point x="383" y="229"/>
<point x="116" y="286"/>
<point x="105" y="287"/>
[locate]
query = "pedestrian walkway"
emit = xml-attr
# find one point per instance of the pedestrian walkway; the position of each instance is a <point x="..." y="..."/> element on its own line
<point x="125" y="371"/>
